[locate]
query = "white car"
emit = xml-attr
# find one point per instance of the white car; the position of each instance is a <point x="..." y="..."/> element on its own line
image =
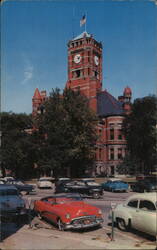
<point x="45" y="182"/>
<point x="139" y="211"/>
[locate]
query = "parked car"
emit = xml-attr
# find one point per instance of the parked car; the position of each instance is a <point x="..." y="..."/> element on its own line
<point x="9" y="178"/>
<point x="11" y="203"/>
<point x="139" y="211"/>
<point x="115" y="185"/>
<point x="145" y="185"/>
<point x="49" y="178"/>
<point x="62" y="181"/>
<point x="45" y="182"/>
<point x="80" y="187"/>
<point x="68" y="211"/>
<point x="21" y="186"/>
<point x="90" y="182"/>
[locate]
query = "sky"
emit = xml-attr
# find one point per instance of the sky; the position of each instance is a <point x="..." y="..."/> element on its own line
<point x="34" y="37"/>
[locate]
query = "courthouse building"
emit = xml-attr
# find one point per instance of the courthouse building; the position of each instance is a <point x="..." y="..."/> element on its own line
<point x="85" y="74"/>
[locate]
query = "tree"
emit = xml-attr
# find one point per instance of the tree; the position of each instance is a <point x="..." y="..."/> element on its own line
<point x="140" y="131"/>
<point x="68" y="126"/>
<point x="129" y="166"/>
<point x="17" y="153"/>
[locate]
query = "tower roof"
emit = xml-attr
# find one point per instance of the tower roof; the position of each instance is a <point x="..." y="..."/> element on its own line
<point x="37" y="94"/>
<point x="127" y="90"/>
<point x="108" y="105"/>
<point x="82" y="35"/>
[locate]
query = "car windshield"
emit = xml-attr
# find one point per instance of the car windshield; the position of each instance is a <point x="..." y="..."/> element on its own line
<point x="62" y="200"/>
<point x="7" y="192"/>
<point x="18" y="182"/>
<point x="80" y="183"/>
<point x="69" y="183"/>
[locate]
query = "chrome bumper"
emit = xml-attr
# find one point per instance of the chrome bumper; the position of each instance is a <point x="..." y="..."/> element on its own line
<point x="84" y="222"/>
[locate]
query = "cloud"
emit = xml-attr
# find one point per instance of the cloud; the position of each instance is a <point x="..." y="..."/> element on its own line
<point x="28" y="73"/>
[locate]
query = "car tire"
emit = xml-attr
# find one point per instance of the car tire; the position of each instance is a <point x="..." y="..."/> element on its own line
<point x="60" y="224"/>
<point x="121" y="224"/>
<point x="96" y="195"/>
<point x="39" y="215"/>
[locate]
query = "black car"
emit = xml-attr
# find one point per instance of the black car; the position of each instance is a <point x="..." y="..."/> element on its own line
<point x="21" y="186"/>
<point x="80" y="187"/>
<point x="145" y="185"/>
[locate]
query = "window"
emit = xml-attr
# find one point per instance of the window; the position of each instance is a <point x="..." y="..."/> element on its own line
<point x="120" y="153"/>
<point x="100" y="153"/>
<point x="147" y="205"/>
<point x="112" y="170"/>
<point x="88" y="56"/>
<point x="96" y="74"/>
<point x="111" y="134"/>
<point x="78" y="73"/>
<point x="133" y="203"/>
<point x="89" y="71"/>
<point x="119" y="134"/>
<point x="112" y="154"/>
<point x="100" y="131"/>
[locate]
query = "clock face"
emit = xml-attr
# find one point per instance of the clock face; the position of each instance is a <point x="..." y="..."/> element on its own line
<point x="96" y="60"/>
<point x="77" y="58"/>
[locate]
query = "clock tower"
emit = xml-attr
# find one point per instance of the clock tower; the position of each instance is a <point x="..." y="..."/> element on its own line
<point x="85" y="67"/>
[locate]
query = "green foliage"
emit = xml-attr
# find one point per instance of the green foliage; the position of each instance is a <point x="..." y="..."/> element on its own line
<point x="69" y="126"/>
<point x="16" y="147"/>
<point x="129" y="166"/>
<point x="140" y="131"/>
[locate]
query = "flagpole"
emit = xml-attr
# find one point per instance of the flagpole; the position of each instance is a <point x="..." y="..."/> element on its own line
<point x="86" y="23"/>
<point x="73" y="21"/>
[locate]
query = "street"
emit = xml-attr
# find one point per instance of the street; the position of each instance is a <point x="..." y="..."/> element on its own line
<point x="37" y="234"/>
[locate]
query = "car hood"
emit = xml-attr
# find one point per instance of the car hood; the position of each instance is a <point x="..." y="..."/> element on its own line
<point x="79" y="208"/>
<point x="44" y="183"/>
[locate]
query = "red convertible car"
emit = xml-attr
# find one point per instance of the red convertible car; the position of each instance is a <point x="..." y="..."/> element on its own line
<point x="68" y="211"/>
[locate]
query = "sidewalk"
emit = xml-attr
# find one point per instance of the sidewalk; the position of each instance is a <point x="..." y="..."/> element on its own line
<point x="44" y="236"/>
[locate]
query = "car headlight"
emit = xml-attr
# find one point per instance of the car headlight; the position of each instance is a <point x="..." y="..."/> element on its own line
<point x="67" y="216"/>
<point x="100" y="212"/>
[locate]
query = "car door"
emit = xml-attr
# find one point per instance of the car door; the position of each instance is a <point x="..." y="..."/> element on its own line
<point x="48" y="210"/>
<point x="132" y="210"/>
<point x="147" y="217"/>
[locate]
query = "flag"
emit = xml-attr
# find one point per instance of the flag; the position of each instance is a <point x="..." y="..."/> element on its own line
<point x="83" y="20"/>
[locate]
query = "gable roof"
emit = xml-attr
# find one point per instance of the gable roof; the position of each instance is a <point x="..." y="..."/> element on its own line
<point x="108" y="105"/>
